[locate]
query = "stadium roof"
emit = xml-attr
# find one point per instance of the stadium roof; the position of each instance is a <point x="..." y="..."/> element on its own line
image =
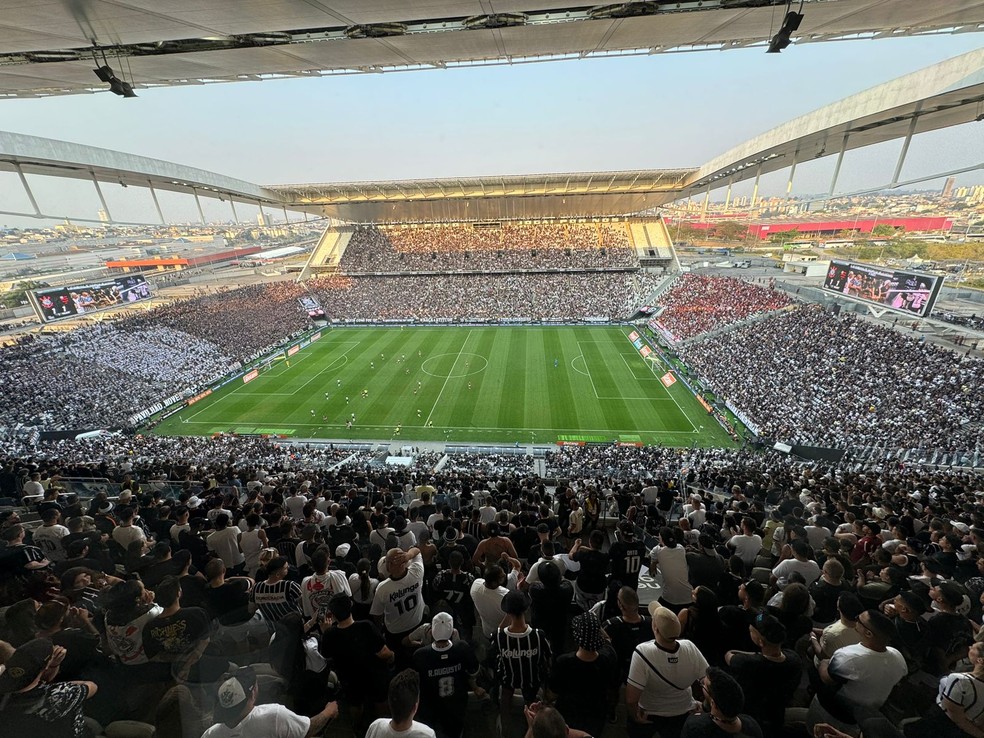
<point x="520" y="197"/>
<point x="49" y="47"/>
<point x="945" y="94"/>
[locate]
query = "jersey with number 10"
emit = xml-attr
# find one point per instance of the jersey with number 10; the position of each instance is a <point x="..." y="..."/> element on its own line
<point x="401" y="601"/>
<point x="627" y="558"/>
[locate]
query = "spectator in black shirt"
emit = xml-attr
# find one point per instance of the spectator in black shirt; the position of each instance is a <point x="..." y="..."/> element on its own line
<point x="628" y="630"/>
<point x="722" y="716"/>
<point x="360" y="657"/>
<point x="770" y="676"/>
<point x="589" y="585"/>
<point x="626" y="556"/>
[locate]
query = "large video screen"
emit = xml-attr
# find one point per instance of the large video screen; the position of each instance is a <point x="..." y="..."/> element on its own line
<point x="59" y="303"/>
<point x="906" y="292"/>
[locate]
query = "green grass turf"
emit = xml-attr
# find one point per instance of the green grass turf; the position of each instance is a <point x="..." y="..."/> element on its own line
<point x="482" y="385"/>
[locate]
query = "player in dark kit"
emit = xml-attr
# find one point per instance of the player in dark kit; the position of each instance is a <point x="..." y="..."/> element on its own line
<point x="626" y="556"/>
<point x="447" y="673"/>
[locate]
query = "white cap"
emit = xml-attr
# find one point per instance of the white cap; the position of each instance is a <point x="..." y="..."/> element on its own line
<point x="442" y="627"/>
<point x="194" y="501"/>
<point x="342" y="551"/>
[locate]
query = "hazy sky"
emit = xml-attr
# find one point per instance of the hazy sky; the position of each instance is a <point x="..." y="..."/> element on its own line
<point x="626" y="113"/>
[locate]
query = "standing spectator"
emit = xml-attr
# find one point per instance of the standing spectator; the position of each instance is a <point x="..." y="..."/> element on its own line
<point x="452" y="586"/>
<point x="770" y="676"/>
<point x="403" y="699"/>
<point x="487" y="593"/>
<point x="224" y="543"/>
<point x="551" y="599"/>
<point x="399" y="601"/>
<point x="723" y="715"/>
<point x="276" y="595"/>
<point x="363" y="587"/>
<point x="360" y="657"/>
<point x="522" y="654"/>
<point x="447" y="673"/>
<point x="626" y="556"/>
<point x="670" y="559"/>
<point x="589" y="585"/>
<point x="583" y="680"/>
<point x="628" y="630"/>
<point x="662" y="673"/>
<point x="251" y="542"/>
<point x="318" y="589"/>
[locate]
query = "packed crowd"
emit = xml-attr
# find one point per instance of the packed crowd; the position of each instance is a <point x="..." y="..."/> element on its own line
<point x="100" y="375"/>
<point x="697" y="304"/>
<point x="245" y="322"/>
<point x="506" y="247"/>
<point x="266" y="602"/>
<point x="807" y="376"/>
<point x="452" y="297"/>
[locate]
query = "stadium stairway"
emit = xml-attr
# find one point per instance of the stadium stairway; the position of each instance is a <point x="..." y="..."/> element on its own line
<point x="328" y="252"/>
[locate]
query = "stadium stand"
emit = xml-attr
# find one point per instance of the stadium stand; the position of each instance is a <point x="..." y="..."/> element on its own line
<point x="808" y="376"/>
<point x="154" y="631"/>
<point x="493" y="248"/>
<point x="696" y="304"/>
<point x="548" y="296"/>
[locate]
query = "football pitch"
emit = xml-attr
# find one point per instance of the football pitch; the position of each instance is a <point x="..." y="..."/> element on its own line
<point x="481" y="385"/>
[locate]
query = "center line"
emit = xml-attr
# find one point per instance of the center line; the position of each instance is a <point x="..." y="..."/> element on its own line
<point x="450" y="374"/>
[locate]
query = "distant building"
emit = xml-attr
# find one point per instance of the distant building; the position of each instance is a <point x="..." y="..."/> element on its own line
<point x="948" y="187"/>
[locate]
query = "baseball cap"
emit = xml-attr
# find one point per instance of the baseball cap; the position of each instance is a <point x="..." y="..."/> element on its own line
<point x="233" y="693"/>
<point x="769" y="627"/>
<point x="442" y="627"/>
<point x="25" y="665"/>
<point x="665" y="619"/>
<point x="626" y="529"/>
<point x="342" y="551"/>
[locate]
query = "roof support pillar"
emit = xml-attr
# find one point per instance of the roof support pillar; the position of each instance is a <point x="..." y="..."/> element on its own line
<point x="792" y="173"/>
<point x="198" y="202"/>
<point x="707" y="199"/>
<point x="285" y="215"/>
<point x="153" y="194"/>
<point x="905" y="148"/>
<point x="755" y="189"/>
<point x="232" y="204"/>
<point x="837" y="166"/>
<point x="101" y="198"/>
<point x="27" y="188"/>
<point x="727" y="198"/>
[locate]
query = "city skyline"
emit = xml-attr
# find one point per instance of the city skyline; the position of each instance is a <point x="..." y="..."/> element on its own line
<point x="608" y="114"/>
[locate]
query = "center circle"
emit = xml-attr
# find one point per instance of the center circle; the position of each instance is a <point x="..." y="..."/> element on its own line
<point x="457" y="366"/>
